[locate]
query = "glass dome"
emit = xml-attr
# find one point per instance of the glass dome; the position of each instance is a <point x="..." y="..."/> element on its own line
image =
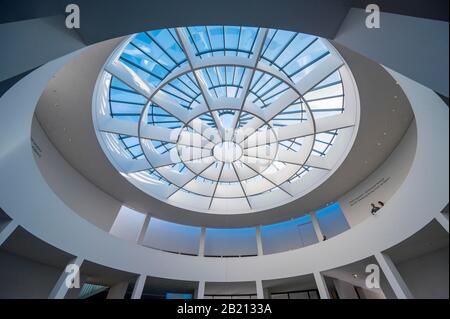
<point x="225" y="119"/>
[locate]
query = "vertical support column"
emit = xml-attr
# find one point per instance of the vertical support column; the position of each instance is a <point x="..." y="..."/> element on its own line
<point x="200" y="292"/>
<point x="259" y="245"/>
<point x="316" y="226"/>
<point x="201" y="248"/>
<point x="394" y="278"/>
<point x="61" y="287"/>
<point x="139" y="287"/>
<point x="321" y="286"/>
<point x="7" y="230"/>
<point x="259" y="289"/>
<point x="144" y="229"/>
<point x="118" y="291"/>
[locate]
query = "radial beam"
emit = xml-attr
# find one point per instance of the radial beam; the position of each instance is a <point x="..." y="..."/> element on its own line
<point x="321" y="71"/>
<point x="215" y="186"/>
<point x="250" y="73"/>
<point x="137" y="165"/>
<point x="207" y="165"/>
<point x="201" y="82"/>
<point x="242" y="187"/>
<point x="129" y="77"/>
<point x="267" y="179"/>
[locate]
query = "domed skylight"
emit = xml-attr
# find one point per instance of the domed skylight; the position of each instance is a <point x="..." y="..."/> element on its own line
<point x="225" y="119"/>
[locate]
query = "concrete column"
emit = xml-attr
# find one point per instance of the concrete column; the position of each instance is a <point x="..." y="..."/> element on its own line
<point x="61" y="287"/>
<point x="259" y="290"/>
<point x="138" y="287"/>
<point x="442" y="220"/>
<point x="201" y="248"/>
<point x="316" y="226"/>
<point x="321" y="286"/>
<point x="394" y="278"/>
<point x="259" y="241"/>
<point x="200" y="292"/>
<point x="118" y="291"/>
<point x="144" y="229"/>
<point x="7" y="230"/>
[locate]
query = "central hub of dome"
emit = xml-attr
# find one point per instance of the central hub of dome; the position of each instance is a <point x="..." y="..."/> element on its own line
<point x="227" y="152"/>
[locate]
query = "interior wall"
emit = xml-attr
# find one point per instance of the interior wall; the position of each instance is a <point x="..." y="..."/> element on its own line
<point x="70" y="186"/>
<point x="22" y="278"/>
<point x="427" y="276"/>
<point x="370" y="293"/>
<point x="288" y="235"/>
<point x="383" y="182"/>
<point x="172" y="237"/>
<point x="230" y="288"/>
<point x="345" y="290"/>
<point x="331" y="220"/>
<point x="392" y="44"/>
<point x="128" y="224"/>
<point x="230" y="242"/>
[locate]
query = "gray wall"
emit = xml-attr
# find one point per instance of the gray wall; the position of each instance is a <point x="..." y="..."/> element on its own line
<point x="415" y="47"/>
<point x="24" y="278"/>
<point x="76" y="191"/>
<point x="383" y="183"/>
<point x="427" y="275"/>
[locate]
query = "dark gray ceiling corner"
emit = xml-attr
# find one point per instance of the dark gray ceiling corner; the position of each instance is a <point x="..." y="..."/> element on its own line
<point x="443" y="97"/>
<point x="105" y="19"/>
<point x="7" y="84"/>
<point x="427" y="9"/>
<point x="18" y="10"/>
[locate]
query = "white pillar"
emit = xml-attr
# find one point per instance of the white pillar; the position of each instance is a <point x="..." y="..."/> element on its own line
<point x="200" y="293"/>
<point x="61" y="287"/>
<point x="442" y="220"/>
<point x="321" y="286"/>
<point x="259" y="289"/>
<point x="138" y="287"/>
<point x="144" y="229"/>
<point x="118" y="291"/>
<point x="201" y="248"/>
<point x="7" y="231"/>
<point x="316" y="226"/>
<point x="259" y="245"/>
<point x="394" y="278"/>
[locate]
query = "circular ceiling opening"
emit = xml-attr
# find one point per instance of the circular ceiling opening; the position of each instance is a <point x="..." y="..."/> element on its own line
<point x="224" y="119"/>
<point x="227" y="152"/>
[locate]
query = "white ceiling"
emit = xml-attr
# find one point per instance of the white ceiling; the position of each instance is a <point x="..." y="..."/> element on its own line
<point x="64" y="112"/>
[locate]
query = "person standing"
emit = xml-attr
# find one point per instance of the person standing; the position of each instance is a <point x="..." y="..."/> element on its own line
<point x="374" y="209"/>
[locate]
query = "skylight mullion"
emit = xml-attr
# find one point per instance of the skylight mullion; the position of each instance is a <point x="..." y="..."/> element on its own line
<point x="242" y="186"/>
<point x="141" y="68"/>
<point x="299" y="53"/>
<point x="266" y="178"/>
<point x="284" y="48"/>
<point x="253" y="44"/>
<point x="162" y="48"/>
<point x="238" y="43"/>
<point x="270" y="42"/>
<point x="310" y="63"/>
<point x="150" y="57"/>
<point x="325" y="98"/>
<point x="125" y="90"/>
<point x="127" y="102"/>
<point x="217" y="184"/>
